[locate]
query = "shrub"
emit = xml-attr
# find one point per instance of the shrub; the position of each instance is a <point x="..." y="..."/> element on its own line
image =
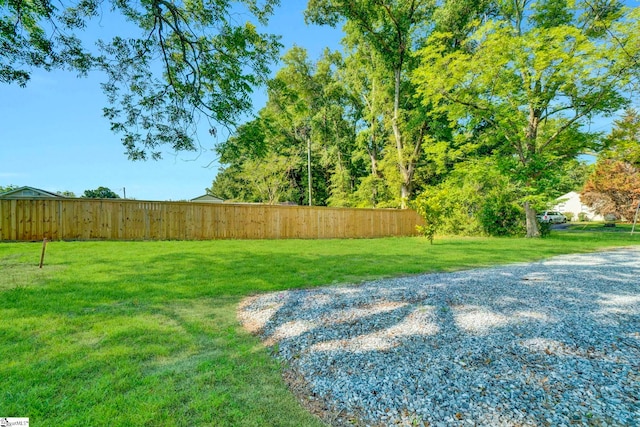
<point x="499" y="216"/>
<point x="475" y="199"/>
<point x="430" y="205"/>
<point x="583" y="217"/>
<point x="545" y="229"/>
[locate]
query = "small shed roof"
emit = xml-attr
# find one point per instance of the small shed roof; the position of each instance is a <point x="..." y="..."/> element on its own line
<point x="207" y="198"/>
<point x="30" y="193"/>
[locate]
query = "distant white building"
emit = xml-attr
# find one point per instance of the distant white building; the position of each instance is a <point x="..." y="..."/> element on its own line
<point x="570" y="203"/>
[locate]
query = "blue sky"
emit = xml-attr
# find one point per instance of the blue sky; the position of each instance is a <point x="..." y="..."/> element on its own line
<point x="53" y="135"/>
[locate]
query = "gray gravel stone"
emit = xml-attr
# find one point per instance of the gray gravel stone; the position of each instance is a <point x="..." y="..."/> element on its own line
<point x="554" y="342"/>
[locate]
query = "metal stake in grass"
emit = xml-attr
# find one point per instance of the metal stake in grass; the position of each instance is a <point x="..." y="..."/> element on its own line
<point x="635" y="219"/>
<point x="44" y="246"/>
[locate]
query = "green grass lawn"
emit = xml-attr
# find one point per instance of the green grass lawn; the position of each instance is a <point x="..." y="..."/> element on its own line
<point x="620" y="227"/>
<point x="145" y="333"/>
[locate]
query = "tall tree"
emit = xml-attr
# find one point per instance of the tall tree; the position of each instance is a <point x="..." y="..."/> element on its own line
<point x="303" y="122"/>
<point x="183" y="61"/>
<point x="260" y="166"/>
<point x="623" y="143"/>
<point x="100" y="193"/>
<point x="613" y="189"/>
<point x="392" y="29"/>
<point x="270" y="178"/>
<point x="363" y="75"/>
<point x="536" y="72"/>
<point x="573" y="176"/>
<point x="229" y="184"/>
<point x="614" y="185"/>
<point x="295" y="99"/>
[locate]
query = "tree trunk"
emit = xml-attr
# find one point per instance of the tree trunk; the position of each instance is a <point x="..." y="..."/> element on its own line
<point x="372" y="150"/>
<point x="405" y="173"/>
<point x="531" y="135"/>
<point x="405" y="193"/>
<point x="374" y="173"/>
<point x="532" y="222"/>
<point x="374" y="165"/>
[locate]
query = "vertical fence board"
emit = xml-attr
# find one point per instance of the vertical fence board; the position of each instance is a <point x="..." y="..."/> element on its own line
<point x="104" y="219"/>
<point x="18" y="220"/>
<point x="5" y="219"/>
<point x="11" y="220"/>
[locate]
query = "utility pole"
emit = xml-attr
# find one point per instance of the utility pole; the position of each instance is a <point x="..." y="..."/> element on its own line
<point x="309" y="165"/>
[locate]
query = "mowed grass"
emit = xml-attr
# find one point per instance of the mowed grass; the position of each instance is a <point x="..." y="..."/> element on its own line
<point x="145" y="333"/>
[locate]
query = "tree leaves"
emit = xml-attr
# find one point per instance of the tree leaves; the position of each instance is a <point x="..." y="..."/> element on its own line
<point x="623" y="143"/>
<point x="37" y="34"/>
<point x="100" y="193"/>
<point x="306" y="109"/>
<point x="183" y="62"/>
<point x="613" y="188"/>
<point x="536" y="73"/>
<point x="205" y="74"/>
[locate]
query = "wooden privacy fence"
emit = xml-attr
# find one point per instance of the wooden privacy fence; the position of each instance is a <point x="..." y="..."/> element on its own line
<point x="105" y="219"/>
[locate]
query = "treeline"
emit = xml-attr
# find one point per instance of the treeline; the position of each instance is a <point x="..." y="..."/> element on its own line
<point x="473" y="111"/>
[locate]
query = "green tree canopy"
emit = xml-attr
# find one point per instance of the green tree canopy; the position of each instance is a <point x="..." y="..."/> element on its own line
<point x="391" y="29"/>
<point x="303" y="126"/>
<point x="100" y="193"/>
<point x="623" y="143"/>
<point x="4" y="189"/>
<point x="183" y="61"/>
<point x="535" y="73"/>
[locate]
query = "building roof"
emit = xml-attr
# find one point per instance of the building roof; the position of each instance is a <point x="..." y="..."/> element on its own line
<point x="569" y="195"/>
<point x="30" y="193"/>
<point x="210" y="198"/>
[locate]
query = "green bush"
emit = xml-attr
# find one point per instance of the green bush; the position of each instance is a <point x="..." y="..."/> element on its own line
<point x="545" y="229"/>
<point x="583" y="217"/>
<point x="476" y="199"/>
<point x="501" y="217"/>
<point x="430" y="205"/>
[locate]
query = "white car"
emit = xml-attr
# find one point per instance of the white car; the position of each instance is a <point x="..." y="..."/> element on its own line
<point x="552" y="217"/>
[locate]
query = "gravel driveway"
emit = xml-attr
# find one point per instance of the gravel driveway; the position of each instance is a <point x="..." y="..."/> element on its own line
<point x="554" y="342"/>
